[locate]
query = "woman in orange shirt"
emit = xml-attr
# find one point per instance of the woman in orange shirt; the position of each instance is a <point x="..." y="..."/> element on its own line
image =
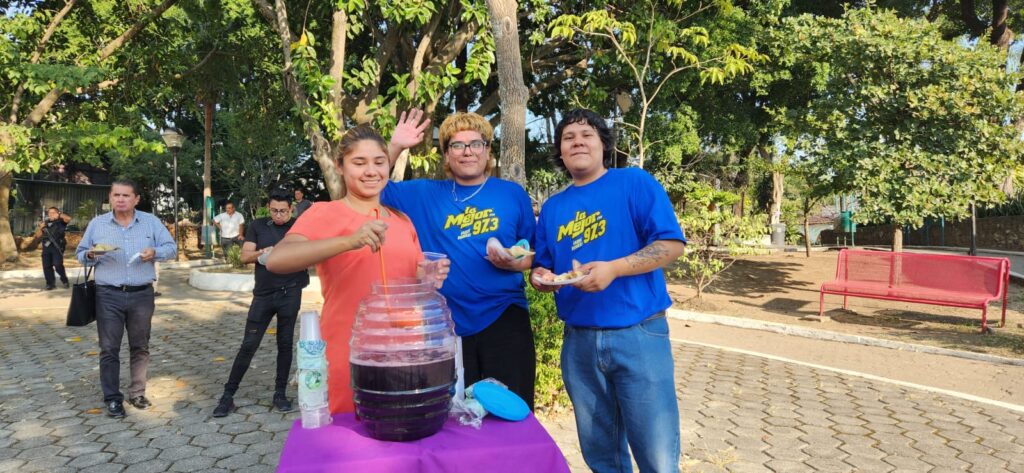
<point x="341" y="238"/>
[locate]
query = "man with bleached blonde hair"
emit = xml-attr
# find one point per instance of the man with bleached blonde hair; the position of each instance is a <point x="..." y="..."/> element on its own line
<point x="466" y="122"/>
<point x="458" y="216"/>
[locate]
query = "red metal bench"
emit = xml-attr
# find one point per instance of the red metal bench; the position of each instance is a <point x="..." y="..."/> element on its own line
<point x="948" y="280"/>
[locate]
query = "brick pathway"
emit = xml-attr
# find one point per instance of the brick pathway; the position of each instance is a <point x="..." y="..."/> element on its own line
<point x="742" y="413"/>
<point x="739" y="412"/>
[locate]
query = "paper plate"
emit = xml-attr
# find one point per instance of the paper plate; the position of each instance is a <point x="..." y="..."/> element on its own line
<point x="560" y="283"/>
<point x="500" y="401"/>
<point x="103" y="252"/>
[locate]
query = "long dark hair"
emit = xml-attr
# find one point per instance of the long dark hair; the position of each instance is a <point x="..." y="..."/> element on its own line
<point x="586" y="117"/>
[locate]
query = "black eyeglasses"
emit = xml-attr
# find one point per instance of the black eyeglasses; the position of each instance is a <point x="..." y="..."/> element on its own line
<point x="280" y="211"/>
<point x="475" y="145"/>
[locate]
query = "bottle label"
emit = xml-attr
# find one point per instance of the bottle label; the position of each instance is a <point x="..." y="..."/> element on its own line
<point x="311" y="355"/>
<point x="312" y="389"/>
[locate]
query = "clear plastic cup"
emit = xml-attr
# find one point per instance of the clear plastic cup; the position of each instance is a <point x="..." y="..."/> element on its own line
<point x="432" y="266"/>
<point x="309" y="326"/>
<point x="316" y="418"/>
<point x="262" y="258"/>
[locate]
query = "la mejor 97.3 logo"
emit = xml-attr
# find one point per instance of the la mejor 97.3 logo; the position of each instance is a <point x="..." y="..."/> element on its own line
<point x="583" y="228"/>
<point x="473" y="221"/>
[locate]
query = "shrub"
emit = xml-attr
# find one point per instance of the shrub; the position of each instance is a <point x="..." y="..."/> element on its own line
<point x="235" y="257"/>
<point x="84" y="213"/>
<point x="547" y="336"/>
<point x="715" y="237"/>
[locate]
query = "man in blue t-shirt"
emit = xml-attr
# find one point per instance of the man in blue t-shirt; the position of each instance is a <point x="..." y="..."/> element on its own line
<point x="618" y="226"/>
<point x="457" y="217"/>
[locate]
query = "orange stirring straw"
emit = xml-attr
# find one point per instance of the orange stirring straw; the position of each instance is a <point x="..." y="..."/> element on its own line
<point x="380" y="252"/>
<point x="383" y="274"/>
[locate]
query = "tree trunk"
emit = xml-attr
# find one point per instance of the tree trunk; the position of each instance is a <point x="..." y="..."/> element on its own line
<point x="741" y="211"/>
<point x="775" y="208"/>
<point x="897" y="238"/>
<point x="1001" y="35"/>
<point x="775" y="204"/>
<point x="278" y="16"/>
<point x="339" y="26"/>
<point x="716" y="229"/>
<point x="323" y="156"/>
<point x="463" y="93"/>
<point x="511" y="88"/>
<point x="207" y="157"/>
<point x="398" y="170"/>
<point x="807" y="235"/>
<point x="8" y="249"/>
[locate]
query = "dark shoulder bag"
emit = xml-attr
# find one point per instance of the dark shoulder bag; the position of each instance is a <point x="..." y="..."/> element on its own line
<point x="82" y="310"/>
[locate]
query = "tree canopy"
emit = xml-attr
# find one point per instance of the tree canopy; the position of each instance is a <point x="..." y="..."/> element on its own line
<point x="915" y="125"/>
<point x="905" y="103"/>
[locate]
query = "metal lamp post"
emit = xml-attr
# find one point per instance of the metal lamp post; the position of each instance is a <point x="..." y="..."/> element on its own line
<point x="174" y="140"/>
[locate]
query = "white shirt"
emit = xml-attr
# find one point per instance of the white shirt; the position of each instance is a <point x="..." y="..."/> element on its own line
<point x="229" y="224"/>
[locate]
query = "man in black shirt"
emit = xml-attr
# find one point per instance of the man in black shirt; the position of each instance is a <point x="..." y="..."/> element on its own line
<point x="279" y="294"/>
<point x="52" y="229"/>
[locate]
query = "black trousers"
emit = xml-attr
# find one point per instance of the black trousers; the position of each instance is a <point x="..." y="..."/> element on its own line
<point x="285" y="304"/>
<point x="53" y="259"/>
<point x="117" y="312"/>
<point x="503" y="351"/>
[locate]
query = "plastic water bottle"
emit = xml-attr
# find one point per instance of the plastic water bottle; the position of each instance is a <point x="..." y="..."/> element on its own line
<point x="312" y="372"/>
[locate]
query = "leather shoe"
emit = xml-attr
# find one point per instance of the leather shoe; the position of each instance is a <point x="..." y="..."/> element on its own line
<point x="282" y="404"/>
<point x="224" y="407"/>
<point x="65" y="284"/>
<point x="50" y="288"/>
<point x="115" y="409"/>
<point x="140" y="403"/>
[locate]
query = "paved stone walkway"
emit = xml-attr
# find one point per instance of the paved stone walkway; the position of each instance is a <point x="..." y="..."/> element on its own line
<point x="739" y="412"/>
<point x="742" y="413"/>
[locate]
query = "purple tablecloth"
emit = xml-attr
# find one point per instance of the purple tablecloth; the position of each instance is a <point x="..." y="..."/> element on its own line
<point x="498" y="446"/>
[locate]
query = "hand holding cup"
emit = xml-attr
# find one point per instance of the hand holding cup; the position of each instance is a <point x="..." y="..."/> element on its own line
<point x="435" y="267"/>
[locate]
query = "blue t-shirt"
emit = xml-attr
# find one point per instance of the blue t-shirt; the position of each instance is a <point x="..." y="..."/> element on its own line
<point x="614" y="216"/>
<point x="476" y="290"/>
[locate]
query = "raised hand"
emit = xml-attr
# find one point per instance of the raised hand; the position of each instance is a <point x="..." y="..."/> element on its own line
<point x="370" y="234"/>
<point x="410" y="129"/>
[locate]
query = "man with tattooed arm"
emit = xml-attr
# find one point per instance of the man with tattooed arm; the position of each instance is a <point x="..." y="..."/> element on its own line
<point x="618" y="228"/>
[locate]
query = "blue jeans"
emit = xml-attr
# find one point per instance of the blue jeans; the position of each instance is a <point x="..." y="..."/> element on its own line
<point x="622" y="386"/>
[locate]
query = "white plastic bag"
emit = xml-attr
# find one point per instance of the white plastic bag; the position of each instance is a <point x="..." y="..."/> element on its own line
<point x="468" y="410"/>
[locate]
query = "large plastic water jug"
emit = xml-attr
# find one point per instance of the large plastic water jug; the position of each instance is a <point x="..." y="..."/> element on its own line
<point x="402" y="360"/>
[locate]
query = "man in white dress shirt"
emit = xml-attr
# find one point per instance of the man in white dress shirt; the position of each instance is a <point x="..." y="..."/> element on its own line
<point x="230" y="225"/>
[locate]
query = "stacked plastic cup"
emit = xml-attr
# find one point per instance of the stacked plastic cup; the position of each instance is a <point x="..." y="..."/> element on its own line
<point x="312" y="372"/>
<point x="431" y="267"/>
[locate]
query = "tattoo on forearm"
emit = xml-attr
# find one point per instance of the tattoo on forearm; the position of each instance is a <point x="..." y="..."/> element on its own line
<point x="652" y="253"/>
